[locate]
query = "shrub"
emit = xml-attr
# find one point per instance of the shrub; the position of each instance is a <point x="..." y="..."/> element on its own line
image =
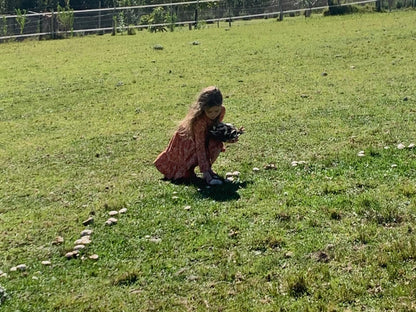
<point x="335" y="8"/>
<point x="131" y="30"/>
<point x="3" y="28"/>
<point x="157" y="17"/>
<point x="21" y="19"/>
<point x="66" y="16"/>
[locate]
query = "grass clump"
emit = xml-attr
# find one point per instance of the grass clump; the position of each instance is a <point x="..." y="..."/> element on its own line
<point x="126" y="279"/>
<point x="297" y="286"/>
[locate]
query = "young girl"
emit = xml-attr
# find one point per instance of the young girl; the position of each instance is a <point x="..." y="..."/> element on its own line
<point x="191" y="144"/>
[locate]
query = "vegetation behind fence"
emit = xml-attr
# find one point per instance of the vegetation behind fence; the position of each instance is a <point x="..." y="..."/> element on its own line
<point x="65" y="21"/>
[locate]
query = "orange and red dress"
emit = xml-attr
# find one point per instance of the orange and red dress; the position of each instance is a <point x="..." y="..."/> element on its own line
<point x="184" y="153"/>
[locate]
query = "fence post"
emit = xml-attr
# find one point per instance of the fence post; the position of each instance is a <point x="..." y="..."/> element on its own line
<point x="114" y="23"/>
<point x="99" y="14"/>
<point x="378" y="5"/>
<point x="281" y="10"/>
<point x="217" y="15"/>
<point x="229" y="14"/>
<point x="53" y="24"/>
<point x="196" y="14"/>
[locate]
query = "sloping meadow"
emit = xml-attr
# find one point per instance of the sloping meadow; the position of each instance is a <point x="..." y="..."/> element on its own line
<point x="320" y="213"/>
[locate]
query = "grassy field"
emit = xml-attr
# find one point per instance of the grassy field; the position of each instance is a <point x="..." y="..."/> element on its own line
<point x="319" y="227"/>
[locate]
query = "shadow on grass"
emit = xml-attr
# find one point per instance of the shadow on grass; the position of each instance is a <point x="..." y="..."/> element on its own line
<point x="225" y="192"/>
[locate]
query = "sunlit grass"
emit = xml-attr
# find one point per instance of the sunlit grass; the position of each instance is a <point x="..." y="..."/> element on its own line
<point x="83" y="119"/>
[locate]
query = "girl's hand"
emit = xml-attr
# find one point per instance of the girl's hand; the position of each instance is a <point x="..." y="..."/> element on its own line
<point x="240" y="130"/>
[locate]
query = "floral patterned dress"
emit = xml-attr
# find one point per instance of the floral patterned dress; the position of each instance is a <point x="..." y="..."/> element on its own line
<point x="184" y="153"/>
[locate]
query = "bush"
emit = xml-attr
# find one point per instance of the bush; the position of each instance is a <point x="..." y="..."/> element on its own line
<point x="335" y="8"/>
<point x="131" y="30"/>
<point x="158" y="16"/>
<point x="3" y="27"/>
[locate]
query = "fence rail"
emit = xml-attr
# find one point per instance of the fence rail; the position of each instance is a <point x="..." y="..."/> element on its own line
<point x="120" y="19"/>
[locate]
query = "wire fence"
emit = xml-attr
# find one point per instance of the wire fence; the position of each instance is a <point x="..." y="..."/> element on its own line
<point x="51" y="25"/>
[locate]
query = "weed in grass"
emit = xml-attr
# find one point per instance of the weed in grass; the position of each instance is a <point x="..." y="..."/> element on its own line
<point x="408" y="189"/>
<point x="366" y="234"/>
<point x="297" y="286"/>
<point x="268" y="242"/>
<point x="335" y="215"/>
<point x="126" y="279"/>
<point x="405" y="250"/>
<point x="3" y="295"/>
<point x="283" y="216"/>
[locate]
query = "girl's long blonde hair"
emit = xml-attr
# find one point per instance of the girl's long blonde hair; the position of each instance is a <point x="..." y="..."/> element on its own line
<point x="208" y="97"/>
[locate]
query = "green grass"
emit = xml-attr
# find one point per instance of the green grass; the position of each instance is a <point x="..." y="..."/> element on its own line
<point x="83" y="119"/>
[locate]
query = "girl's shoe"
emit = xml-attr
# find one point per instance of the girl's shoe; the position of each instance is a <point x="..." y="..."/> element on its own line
<point x="214" y="175"/>
<point x="212" y="179"/>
